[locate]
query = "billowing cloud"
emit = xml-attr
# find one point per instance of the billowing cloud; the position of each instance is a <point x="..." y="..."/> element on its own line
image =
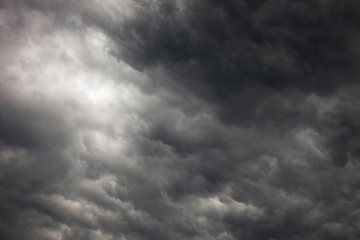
<point x="179" y="120"/>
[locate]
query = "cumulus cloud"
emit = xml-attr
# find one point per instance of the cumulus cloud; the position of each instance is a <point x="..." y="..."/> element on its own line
<point x="179" y="120"/>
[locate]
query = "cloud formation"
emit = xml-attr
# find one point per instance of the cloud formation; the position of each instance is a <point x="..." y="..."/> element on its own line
<point x="179" y="120"/>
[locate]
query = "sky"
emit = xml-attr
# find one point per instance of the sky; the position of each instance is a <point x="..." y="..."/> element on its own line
<point x="179" y="119"/>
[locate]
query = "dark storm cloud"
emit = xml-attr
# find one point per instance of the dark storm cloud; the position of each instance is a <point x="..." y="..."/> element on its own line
<point x="30" y="128"/>
<point x="179" y="120"/>
<point x="278" y="43"/>
<point x="229" y="51"/>
<point x="341" y="128"/>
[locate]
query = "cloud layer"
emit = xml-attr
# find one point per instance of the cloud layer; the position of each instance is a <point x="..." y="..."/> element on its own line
<point x="223" y="120"/>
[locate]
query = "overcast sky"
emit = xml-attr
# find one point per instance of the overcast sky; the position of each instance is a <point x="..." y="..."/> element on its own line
<point x="180" y="120"/>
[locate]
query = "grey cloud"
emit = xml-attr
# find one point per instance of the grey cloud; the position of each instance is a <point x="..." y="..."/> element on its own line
<point x="179" y="120"/>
